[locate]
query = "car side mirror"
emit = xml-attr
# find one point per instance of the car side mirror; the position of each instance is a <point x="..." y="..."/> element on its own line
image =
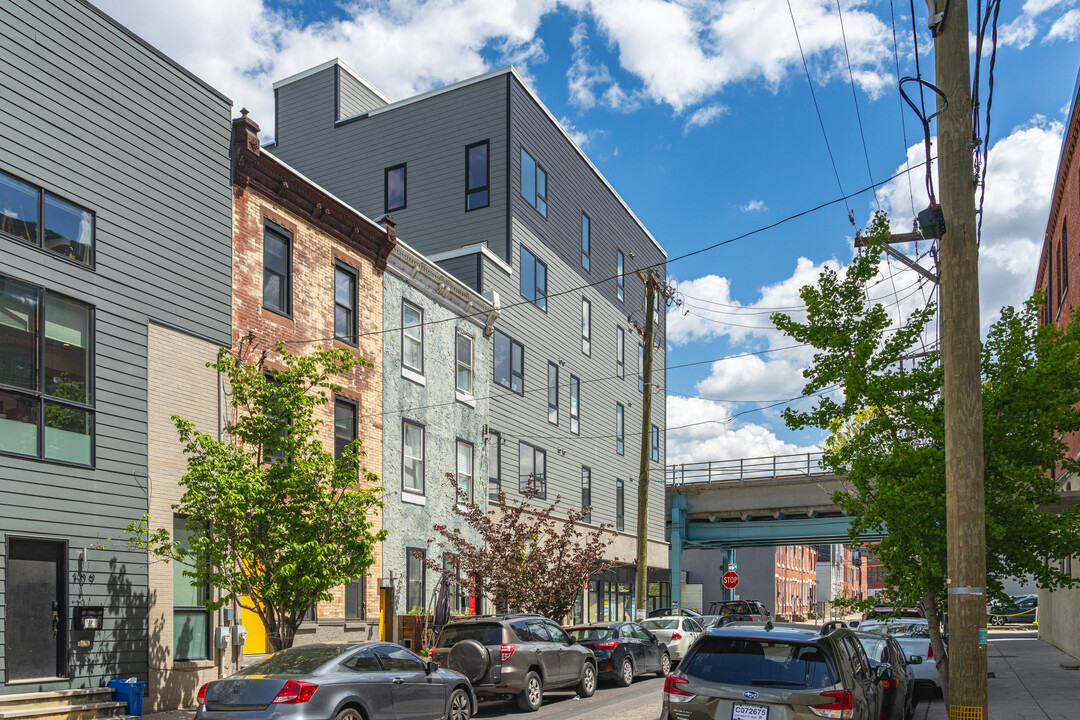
<point x="853" y="624"/>
<point x="431" y="667"/>
<point x="882" y="670"/>
<point x="571" y="639"/>
<point x="915" y="660"/>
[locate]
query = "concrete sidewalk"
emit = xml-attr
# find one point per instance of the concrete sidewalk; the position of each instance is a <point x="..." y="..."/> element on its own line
<point x="1027" y="681"/>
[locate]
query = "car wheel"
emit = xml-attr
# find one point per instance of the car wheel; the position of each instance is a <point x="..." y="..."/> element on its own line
<point x="997" y="620"/>
<point x="665" y="666"/>
<point x="532" y="696"/>
<point x="587" y="686"/>
<point x="349" y="714"/>
<point x="460" y="706"/>
<point x="626" y="673"/>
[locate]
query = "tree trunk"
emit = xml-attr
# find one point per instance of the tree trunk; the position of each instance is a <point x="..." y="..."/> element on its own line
<point x="933" y="621"/>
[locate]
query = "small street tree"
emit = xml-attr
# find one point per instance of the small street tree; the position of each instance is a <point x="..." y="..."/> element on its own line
<point x="273" y="520"/>
<point x="525" y="558"/>
<point x="888" y="433"/>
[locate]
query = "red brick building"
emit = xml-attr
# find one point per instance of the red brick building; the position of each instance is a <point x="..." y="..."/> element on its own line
<point x="796" y="582"/>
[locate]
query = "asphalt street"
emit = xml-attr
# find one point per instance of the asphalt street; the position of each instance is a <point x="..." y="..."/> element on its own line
<point x="640" y="701"/>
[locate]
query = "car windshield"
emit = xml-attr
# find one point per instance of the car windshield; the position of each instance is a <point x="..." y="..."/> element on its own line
<point x="661" y="624"/>
<point x="483" y="633"/>
<point x="587" y="634"/>
<point x="897" y="628"/>
<point x="753" y="662"/>
<point x="734" y="608"/>
<point x="302" y="660"/>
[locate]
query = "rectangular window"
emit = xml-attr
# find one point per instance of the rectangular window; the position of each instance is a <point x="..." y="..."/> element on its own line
<point x="356" y="599"/>
<point x="532" y="469"/>
<point x="533" y="183"/>
<point x="620" y="352"/>
<point x="191" y="619"/>
<point x="394" y="187"/>
<point x="414" y="579"/>
<point x="509" y="363"/>
<point x="575" y="405"/>
<point x="1064" y="263"/>
<point x="67" y="230"/>
<point x="553" y="393"/>
<point x="46" y="361"/>
<point x="465" y="467"/>
<point x="620" y="506"/>
<point x="344" y="425"/>
<point x="620" y="439"/>
<point x="412" y="465"/>
<point x="619" y="287"/>
<point x="494" y="464"/>
<point x="476" y="176"/>
<point x="464" y="352"/>
<point x="585" y="242"/>
<point x="654" y="443"/>
<point x="641" y="368"/>
<point x="412" y="337"/>
<point x="586" y="326"/>
<point x="533" y="279"/>
<point x="345" y="327"/>
<point x="277" y="268"/>
<point x="276" y="451"/>
<point x="586" y="493"/>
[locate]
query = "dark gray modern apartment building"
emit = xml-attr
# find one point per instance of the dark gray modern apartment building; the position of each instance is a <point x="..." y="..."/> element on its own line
<point x="115" y="215"/>
<point x="482" y="179"/>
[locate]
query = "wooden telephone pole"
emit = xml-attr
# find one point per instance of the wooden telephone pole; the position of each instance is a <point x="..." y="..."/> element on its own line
<point x="960" y="345"/>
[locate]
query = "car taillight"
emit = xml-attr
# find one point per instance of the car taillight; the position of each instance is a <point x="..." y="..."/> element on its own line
<point x="505" y="651"/>
<point x="676" y="694"/>
<point x="676" y="636"/>
<point x="201" y="697"/>
<point x="840" y="707"/>
<point x="751" y="618"/>
<point x="295" y="691"/>
<point x="607" y="644"/>
<point x="930" y="652"/>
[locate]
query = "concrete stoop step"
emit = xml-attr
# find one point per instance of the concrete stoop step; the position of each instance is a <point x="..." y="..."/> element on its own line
<point x="81" y="704"/>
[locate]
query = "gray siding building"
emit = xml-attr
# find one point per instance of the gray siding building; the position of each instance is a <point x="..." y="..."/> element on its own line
<point x="481" y="178"/>
<point x="114" y="218"/>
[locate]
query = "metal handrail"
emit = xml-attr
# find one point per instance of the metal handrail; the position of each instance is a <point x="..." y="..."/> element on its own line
<point x="743" y="469"/>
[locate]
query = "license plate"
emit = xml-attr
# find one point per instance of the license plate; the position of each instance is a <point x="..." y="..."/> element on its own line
<point x="746" y="711"/>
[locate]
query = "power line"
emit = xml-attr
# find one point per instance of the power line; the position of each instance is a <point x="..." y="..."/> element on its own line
<point x="855" y="98"/>
<point x="903" y="122"/>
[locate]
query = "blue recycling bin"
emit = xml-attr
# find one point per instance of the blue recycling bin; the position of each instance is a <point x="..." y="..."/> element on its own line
<point x="129" y="692"/>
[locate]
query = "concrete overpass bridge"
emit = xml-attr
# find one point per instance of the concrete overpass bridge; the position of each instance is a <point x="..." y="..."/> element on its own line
<point x="752" y="502"/>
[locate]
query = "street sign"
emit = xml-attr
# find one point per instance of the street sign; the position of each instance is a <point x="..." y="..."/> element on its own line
<point x="730" y="580"/>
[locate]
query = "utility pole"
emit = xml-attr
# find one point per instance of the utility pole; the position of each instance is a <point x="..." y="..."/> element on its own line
<point x="646" y="436"/>
<point x="960" y="344"/>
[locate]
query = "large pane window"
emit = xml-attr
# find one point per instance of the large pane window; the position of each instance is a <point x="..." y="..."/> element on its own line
<point x="414" y="578"/>
<point x="575" y="405"/>
<point x="191" y="620"/>
<point x="533" y="183"/>
<point x="412" y="465"/>
<point x="464" y="352"/>
<point x="654" y="443"/>
<point x="465" y="467"/>
<point x="619" y="282"/>
<point x="345" y="327"/>
<point x="344" y="425"/>
<point x="620" y="439"/>
<point x="494" y="464"/>
<point x="532" y="469"/>
<point x="586" y="326"/>
<point x="67" y="229"/>
<point x="533" y="279"/>
<point x="620" y="505"/>
<point x="46" y="386"/>
<point x="476" y="176"/>
<point x="412" y="337"/>
<point x="553" y="393"/>
<point x="620" y="352"/>
<point x="586" y="493"/>
<point x="394" y="187"/>
<point x="586" y="242"/>
<point x="277" y="268"/>
<point x="509" y="363"/>
<point x="356" y="598"/>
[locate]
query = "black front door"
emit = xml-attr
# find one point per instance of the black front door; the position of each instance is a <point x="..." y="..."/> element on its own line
<point x="35" y="634"/>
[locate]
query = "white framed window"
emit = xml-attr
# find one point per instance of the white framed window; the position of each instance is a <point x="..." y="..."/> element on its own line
<point x="465" y="467"/>
<point x="412" y="457"/>
<point x="464" y="353"/>
<point x="412" y="338"/>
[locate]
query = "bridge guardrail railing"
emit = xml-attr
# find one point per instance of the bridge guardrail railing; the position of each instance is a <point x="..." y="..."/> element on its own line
<point x="773" y="467"/>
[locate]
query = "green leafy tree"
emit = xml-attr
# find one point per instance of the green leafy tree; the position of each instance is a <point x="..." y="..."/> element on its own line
<point x="888" y="434"/>
<point x="275" y="521"/>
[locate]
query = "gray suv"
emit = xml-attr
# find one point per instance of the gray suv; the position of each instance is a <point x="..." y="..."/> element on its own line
<point x="516" y="654"/>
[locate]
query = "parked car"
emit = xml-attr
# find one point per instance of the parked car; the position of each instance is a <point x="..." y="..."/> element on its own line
<point x="773" y="672"/>
<point x="1022" y="609"/>
<point x="623" y="650"/>
<point x="339" y="681"/>
<point x="887" y="612"/>
<point x="666" y="611"/>
<point x="740" y="611"/>
<point x="517" y="654"/>
<point x="913" y="636"/>
<point x="897" y="679"/>
<point x="678" y="633"/>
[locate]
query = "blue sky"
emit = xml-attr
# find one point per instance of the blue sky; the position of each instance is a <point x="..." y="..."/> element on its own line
<point x="700" y="114"/>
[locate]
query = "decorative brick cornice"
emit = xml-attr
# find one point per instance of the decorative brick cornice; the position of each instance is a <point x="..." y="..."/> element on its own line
<point x="253" y="168"/>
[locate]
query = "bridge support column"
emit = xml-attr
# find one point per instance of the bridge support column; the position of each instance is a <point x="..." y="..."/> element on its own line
<point x="678" y="535"/>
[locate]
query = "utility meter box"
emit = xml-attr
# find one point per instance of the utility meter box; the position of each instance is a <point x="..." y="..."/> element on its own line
<point x="88" y="617"/>
<point x="221" y="637"/>
<point x="239" y="635"/>
<point x="227" y="615"/>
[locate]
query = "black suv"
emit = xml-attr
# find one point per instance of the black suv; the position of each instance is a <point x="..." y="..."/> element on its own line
<point x="516" y="654"/>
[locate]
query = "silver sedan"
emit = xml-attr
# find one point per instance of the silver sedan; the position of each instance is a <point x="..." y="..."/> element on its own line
<point x="678" y="633"/>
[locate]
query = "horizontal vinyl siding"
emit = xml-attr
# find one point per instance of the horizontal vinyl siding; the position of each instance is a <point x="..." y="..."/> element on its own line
<point x="354" y="97"/>
<point x="430" y="136"/>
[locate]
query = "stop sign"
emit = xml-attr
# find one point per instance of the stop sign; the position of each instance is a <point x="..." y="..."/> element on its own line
<point x="730" y="579"/>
